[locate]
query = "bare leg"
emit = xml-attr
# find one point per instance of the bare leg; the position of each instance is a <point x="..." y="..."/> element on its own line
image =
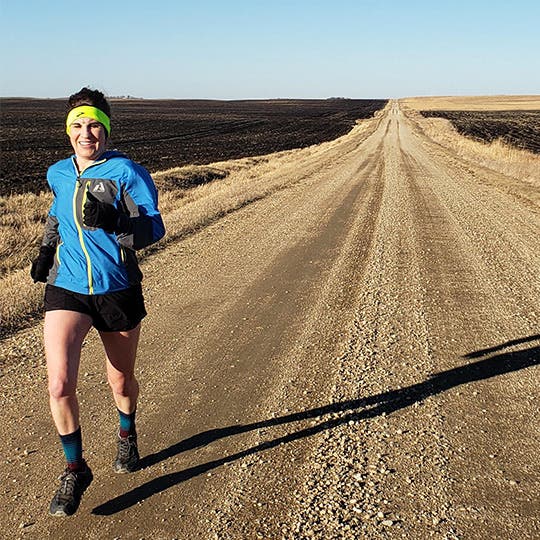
<point x="121" y="349"/>
<point x="64" y="332"/>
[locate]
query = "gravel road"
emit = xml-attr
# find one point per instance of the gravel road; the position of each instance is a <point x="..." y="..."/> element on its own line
<point x="354" y="356"/>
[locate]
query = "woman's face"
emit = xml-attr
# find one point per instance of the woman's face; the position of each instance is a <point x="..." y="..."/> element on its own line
<point x="88" y="138"/>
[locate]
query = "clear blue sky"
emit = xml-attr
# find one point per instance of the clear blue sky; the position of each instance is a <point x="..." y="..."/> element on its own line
<point x="235" y="49"/>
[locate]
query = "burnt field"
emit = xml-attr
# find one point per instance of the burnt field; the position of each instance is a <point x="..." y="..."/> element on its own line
<point x="517" y="128"/>
<point x="161" y="134"/>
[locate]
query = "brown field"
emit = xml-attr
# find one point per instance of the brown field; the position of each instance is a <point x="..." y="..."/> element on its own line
<point x="473" y="103"/>
<point x="161" y="134"/>
<point x="513" y="120"/>
<point x="519" y="128"/>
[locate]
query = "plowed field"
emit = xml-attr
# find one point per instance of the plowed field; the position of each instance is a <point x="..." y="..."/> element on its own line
<point x="161" y="134"/>
<point x="518" y="128"/>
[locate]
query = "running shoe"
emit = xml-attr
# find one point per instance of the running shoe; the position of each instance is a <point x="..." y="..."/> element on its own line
<point x="68" y="496"/>
<point x="127" y="458"/>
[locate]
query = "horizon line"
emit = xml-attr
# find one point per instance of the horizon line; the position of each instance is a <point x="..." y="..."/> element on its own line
<point x="128" y="97"/>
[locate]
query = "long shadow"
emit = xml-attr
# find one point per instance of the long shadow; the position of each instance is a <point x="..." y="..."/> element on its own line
<point x="511" y="343"/>
<point x="372" y="406"/>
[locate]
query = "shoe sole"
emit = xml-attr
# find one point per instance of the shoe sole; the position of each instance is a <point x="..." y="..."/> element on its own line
<point x="125" y="470"/>
<point x="59" y="513"/>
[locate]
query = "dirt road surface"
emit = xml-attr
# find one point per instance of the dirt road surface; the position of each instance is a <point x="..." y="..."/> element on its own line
<point x="352" y="356"/>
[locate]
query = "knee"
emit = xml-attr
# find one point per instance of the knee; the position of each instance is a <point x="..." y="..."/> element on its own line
<point x="61" y="387"/>
<point x="123" y="384"/>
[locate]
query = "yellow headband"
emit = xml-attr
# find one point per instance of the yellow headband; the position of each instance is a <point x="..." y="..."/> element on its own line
<point x="87" y="111"/>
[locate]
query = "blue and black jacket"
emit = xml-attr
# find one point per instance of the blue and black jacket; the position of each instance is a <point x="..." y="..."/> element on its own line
<point x="90" y="260"/>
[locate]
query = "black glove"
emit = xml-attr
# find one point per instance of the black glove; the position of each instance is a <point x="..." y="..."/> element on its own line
<point x="104" y="215"/>
<point x="99" y="214"/>
<point x="42" y="264"/>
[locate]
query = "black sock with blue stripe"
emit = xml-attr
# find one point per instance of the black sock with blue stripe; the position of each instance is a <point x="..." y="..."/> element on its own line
<point x="127" y="424"/>
<point x="72" y="445"/>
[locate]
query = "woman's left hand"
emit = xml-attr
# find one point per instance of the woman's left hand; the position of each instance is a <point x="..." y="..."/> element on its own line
<point x="100" y="214"/>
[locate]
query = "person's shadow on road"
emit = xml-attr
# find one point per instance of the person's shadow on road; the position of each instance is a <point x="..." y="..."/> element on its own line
<point x="493" y="363"/>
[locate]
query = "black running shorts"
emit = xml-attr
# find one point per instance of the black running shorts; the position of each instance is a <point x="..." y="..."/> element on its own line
<point x="112" y="312"/>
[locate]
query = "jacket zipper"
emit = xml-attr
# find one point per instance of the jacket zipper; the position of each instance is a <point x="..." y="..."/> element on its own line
<point x="84" y="186"/>
<point x="81" y="236"/>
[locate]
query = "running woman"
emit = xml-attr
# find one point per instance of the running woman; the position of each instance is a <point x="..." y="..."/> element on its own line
<point x="104" y="209"/>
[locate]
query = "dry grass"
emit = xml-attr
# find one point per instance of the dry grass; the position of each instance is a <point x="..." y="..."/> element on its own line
<point x="21" y="228"/>
<point x="221" y="188"/>
<point x="473" y="103"/>
<point x="521" y="169"/>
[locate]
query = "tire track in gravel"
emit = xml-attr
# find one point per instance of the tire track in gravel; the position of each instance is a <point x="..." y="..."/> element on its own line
<point x="392" y="480"/>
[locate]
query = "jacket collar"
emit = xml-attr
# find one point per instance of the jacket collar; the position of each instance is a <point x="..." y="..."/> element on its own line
<point x="107" y="155"/>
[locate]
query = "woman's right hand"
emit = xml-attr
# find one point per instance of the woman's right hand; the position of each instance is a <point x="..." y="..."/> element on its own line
<point x="42" y="264"/>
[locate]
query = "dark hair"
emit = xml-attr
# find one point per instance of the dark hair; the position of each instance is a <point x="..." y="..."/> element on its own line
<point x="86" y="96"/>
